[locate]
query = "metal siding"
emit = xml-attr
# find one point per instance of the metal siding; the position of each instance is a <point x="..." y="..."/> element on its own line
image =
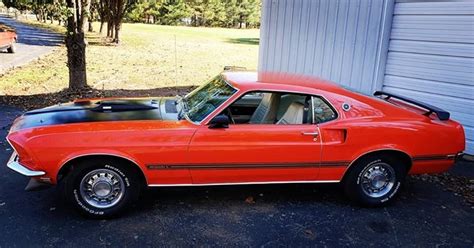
<point x="431" y="57"/>
<point x="340" y="40"/>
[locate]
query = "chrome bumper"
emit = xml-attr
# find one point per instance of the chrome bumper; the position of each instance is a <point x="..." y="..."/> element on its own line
<point x="16" y="166"/>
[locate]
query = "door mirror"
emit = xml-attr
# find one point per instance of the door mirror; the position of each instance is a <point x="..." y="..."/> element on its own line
<point x="220" y="121"/>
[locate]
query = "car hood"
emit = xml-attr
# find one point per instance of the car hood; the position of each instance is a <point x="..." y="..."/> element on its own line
<point x="100" y="110"/>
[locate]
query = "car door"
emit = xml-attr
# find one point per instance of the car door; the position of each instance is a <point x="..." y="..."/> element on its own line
<point x="255" y="153"/>
<point x="249" y="153"/>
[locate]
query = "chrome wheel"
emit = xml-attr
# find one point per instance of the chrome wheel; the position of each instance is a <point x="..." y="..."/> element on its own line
<point x="377" y="179"/>
<point x="102" y="188"/>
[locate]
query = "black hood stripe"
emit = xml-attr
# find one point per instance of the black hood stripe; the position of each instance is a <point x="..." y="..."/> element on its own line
<point x="95" y="111"/>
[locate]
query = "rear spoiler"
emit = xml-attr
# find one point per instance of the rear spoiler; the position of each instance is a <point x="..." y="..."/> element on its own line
<point x="234" y="68"/>
<point x="442" y="114"/>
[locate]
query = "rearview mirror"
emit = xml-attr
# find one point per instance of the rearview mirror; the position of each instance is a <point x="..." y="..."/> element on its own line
<point x="220" y="121"/>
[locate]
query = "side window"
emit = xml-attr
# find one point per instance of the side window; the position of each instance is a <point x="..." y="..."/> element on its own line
<point x="278" y="108"/>
<point x="322" y="112"/>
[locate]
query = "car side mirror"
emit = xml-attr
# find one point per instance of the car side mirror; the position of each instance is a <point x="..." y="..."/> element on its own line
<point x="220" y="121"/>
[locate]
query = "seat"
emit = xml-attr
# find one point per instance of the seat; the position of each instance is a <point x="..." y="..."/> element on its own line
<point x="266" y="110"/>
<point x="293" y="115"/>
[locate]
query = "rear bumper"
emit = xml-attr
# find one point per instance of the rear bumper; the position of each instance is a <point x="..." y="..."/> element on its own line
<point x="16" y="166"/>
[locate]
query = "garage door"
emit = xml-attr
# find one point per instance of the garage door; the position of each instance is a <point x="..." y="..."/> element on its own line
<point x="431" y="57"/>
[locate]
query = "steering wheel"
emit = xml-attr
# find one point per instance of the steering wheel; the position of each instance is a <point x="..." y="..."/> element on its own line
<point x="229" y="114"/>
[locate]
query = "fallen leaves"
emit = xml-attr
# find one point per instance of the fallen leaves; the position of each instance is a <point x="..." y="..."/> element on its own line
<point x="459" y="185"/>
<point x="250" y="200"/>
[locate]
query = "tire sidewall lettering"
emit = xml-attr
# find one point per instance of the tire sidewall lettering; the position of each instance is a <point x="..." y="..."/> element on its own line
<point x="83" y="206"/>
<point x="127" y="182"/>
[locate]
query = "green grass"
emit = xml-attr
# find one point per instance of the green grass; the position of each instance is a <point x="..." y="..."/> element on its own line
<point x="150" y="56"/>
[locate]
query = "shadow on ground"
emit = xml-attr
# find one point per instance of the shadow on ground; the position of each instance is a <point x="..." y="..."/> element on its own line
<point x="28" y="102"/>
<point x="245" y="41"/>
<point x="33" y="35"/>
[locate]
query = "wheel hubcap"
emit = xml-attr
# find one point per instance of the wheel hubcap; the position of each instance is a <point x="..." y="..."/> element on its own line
<point x="378" y="179"/>
<point x="102" y="188"/>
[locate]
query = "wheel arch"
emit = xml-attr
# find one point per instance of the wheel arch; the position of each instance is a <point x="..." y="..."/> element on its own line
<point x="399" y="154"/>
<point x="67" y="166"/>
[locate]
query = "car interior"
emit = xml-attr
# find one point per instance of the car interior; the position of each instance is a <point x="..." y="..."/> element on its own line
<point x="278" y="108"/>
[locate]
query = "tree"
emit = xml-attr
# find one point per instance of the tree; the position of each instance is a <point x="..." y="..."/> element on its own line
<point x="21" y="5"/>
<point x="214" y="13"/>
<point x="196" y="10"/>
<point x="147" y="11"/>
<point x="102" y="10"/>
<point x="118" y="9"/>
<point x="76" y="44"/>
<point x="232" y="13"/>
<point x="251" y="12"/>
<point x="173" y="12"/>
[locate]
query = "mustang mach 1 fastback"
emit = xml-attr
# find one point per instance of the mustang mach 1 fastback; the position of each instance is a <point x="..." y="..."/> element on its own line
<point x="234" y="130"/>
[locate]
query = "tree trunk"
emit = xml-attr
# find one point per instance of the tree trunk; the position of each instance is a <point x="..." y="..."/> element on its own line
<point x="91" y="28"/>
<point x="76" y="55"/>
<point x="117" y="32"/>
<point x="76" y="47"/>
<point x="110" y="29"/>
<point x="101" y="26"/>
<point x="84" y="12"/>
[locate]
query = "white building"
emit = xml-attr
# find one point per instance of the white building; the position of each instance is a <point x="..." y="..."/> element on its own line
<point x="420" y="49"/>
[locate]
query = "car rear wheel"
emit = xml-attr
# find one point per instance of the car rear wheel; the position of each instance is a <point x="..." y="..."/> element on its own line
<point x="12" y="48"/>
<point x="375" y="180"/>
<point x="102" y="188"/>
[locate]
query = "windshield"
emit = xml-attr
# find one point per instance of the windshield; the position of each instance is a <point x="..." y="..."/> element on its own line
<point x="204" y="100"/>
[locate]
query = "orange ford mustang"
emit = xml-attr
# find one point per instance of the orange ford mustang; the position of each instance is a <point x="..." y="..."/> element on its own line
<point x="234" y="130"/>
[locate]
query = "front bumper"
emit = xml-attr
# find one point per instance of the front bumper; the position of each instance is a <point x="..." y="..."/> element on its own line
<point x="15" y="165"/>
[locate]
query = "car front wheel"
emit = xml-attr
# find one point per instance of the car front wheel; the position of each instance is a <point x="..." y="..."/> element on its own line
<point x="374" y="181"/>
<point x="12" y="48"/>
<point x="102" y="188"/>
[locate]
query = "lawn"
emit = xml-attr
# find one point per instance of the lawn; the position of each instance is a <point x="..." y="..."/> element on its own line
<point x="149" y="57"/>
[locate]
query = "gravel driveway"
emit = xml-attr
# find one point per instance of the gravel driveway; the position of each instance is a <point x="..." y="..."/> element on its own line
<point x="32" y="43"/>
<point x="425" y="215"/>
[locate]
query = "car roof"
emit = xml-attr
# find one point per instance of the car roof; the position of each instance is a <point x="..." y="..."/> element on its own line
<point x="280" y="81"/>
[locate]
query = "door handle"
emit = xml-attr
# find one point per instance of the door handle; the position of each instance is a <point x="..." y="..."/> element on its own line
<point x="310" y="133"/>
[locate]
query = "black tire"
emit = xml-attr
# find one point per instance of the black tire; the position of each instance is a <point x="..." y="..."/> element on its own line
<point x="127" y="179"/>
<point x="357" y="188"/>
<point x="12" y="48"/>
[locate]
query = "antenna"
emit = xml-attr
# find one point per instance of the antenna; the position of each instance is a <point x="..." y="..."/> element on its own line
<point x="175" y="66"/>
